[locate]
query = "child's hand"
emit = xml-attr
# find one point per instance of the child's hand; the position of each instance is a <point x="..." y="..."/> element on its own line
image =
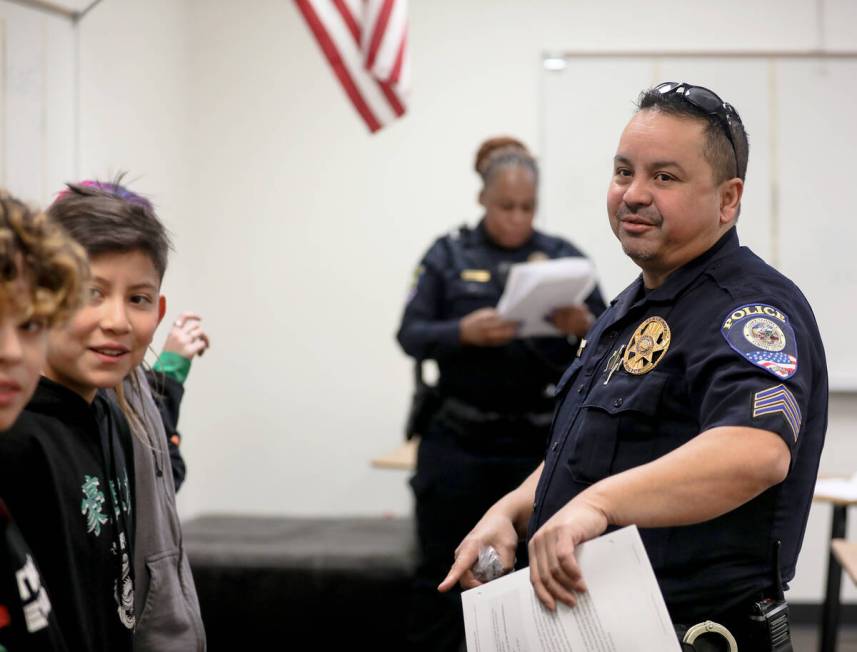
<point x="186" y="337"/>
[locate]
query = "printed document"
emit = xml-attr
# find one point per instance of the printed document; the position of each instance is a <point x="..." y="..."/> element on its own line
<point x="622" y="611"/>
<point x="536" y="289"/>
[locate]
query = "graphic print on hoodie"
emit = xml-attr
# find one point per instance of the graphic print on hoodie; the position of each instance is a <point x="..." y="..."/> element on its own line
<point x="66" y="473"/>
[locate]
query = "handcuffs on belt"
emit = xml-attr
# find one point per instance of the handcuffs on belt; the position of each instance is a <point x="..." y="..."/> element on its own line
<point x="710" y="627"/>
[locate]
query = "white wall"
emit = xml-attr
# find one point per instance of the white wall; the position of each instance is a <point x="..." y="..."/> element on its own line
<point x="134" y="85"/>
<point x="297" y="231"/>
<point x="38" y="129"/>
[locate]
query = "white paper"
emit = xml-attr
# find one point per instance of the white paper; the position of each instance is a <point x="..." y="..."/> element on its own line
<point x="839" y="488"/>
<point x="623" y="609"/>
<point x="534" y="290"/>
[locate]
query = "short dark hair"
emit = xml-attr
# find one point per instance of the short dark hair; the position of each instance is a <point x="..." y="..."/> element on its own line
<point x="35" y="249"/>
<point x="717" y="149"/>
<point x="106" y="217"/>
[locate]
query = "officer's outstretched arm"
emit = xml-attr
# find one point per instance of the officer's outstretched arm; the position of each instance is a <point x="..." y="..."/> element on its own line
<point x="501" y="527"/>
<point x="714" y="473"/>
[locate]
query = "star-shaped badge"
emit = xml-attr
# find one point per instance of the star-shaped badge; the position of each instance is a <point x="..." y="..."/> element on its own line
<point x="647" y="346"/>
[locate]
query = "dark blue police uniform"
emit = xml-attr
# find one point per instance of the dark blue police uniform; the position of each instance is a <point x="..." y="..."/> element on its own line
<point x="490" y="429"/>
<point x="725" y="341"/>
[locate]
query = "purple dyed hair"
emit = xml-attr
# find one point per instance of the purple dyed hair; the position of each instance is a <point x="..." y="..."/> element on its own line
<point x="105" y="217"/>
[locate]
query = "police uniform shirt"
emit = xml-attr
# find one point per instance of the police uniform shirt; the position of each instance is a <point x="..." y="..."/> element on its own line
<point x="465" y="271"/>
<point x="725" y="341"/>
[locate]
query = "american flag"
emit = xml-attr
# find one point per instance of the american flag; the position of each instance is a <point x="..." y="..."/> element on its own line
<point x="366" y="43"/>
<point x="781" y="364"/>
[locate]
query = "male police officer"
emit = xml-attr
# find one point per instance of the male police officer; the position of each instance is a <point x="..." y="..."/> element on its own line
<point x="697" y="409"/>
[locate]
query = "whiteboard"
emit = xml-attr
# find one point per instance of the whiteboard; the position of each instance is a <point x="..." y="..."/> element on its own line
<point x="799" y="211"/>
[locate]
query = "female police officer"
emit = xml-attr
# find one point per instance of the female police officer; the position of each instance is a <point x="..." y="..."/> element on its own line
<point x="489" y="428"/>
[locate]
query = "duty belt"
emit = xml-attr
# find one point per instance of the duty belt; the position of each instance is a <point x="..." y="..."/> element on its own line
<point x="469" y="413"/>
<point x="522" y="433"/>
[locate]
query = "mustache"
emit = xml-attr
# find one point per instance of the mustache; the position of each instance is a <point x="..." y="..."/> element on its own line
<point x="648" y="215"/>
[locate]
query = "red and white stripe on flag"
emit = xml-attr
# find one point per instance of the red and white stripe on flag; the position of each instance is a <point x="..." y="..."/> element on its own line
<point x="366" y="43"/>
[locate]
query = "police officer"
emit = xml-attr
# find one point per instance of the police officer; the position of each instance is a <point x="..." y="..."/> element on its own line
<point x="698" y="407"/>
<point x="489" y="428"/>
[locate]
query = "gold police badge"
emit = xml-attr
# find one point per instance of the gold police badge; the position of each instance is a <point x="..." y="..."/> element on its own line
<point x="647" y="346"/>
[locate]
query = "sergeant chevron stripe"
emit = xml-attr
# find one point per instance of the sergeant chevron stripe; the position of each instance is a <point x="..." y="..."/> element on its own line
<point x="778" y="399"/>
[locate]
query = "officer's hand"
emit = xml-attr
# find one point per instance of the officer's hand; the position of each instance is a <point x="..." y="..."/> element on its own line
<point x="186" y="337"/>
<point x="494" y="529"/>
<point x="554" y="571"/>
<point x="484" y="327"/>
<point x="572" y="320"/>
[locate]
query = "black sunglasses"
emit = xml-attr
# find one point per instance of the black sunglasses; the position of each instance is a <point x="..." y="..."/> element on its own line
<point x="707" y="100"/>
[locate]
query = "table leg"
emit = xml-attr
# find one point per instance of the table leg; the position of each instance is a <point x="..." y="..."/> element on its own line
<point x="830" y="611"/>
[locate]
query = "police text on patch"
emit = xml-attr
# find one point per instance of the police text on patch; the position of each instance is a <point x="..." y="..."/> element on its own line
<point x="746" y="311"/>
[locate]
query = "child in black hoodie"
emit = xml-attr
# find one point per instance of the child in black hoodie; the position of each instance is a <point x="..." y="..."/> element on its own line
<point x="41" y="272"/>
<point x="69" y="462"/>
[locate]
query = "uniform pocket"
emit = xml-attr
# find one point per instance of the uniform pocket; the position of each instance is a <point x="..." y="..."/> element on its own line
<point x="170" y="618"/>
<point x="466" y="296"/>
<point x="618" y="427"/>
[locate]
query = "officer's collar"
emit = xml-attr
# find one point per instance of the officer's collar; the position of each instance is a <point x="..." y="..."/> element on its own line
<point x="678" y="280"/>
<point x="482" y="236"/>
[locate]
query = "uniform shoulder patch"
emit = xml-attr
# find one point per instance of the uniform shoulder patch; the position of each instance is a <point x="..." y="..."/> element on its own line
<point x="415" y="281"/>
<point x="762" y="335"/>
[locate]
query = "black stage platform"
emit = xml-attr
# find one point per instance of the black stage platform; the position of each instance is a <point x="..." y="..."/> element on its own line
<point x="269" y="583"/>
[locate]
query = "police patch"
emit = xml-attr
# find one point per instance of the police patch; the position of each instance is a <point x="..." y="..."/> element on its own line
<point x="415" y="281"/>
<point x="762" y="335"/>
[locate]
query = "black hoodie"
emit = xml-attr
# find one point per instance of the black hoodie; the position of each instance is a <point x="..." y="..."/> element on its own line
<point x="27" y="621"/>
<point x="66" y="473"/>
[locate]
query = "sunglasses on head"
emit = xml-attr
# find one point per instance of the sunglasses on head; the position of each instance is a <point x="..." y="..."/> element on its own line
<point x="708" y="101"/>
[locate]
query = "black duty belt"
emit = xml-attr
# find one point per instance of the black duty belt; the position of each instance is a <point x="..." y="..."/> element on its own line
<point x="519" y="433"/>
<point x="467" y="413"/>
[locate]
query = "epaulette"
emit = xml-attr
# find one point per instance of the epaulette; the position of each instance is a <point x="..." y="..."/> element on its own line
<point x="457" y="241"/>
<point x="459" y="232"/>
